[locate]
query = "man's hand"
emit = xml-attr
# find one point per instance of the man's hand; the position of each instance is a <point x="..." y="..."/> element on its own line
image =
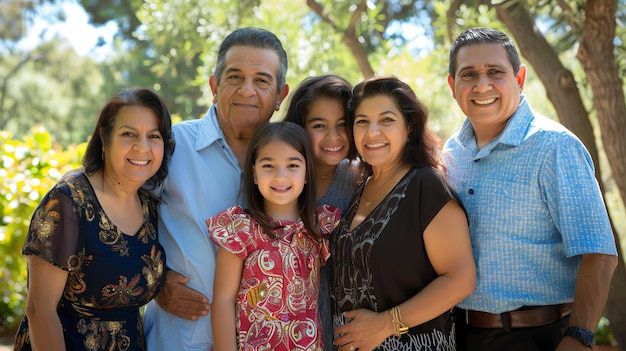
<point x="178" y="299"/>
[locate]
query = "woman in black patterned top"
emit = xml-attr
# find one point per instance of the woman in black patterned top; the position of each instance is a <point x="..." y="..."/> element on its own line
<point x="401" y="257"/>
<point x="93" y="253"/>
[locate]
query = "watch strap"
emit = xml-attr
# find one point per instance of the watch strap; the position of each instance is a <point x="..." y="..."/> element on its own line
<point x="584" y="336"/>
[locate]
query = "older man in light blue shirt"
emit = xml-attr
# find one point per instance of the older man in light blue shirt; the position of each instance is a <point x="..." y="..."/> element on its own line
<point x="540" y="233"/>
<point x="205" y="177"/>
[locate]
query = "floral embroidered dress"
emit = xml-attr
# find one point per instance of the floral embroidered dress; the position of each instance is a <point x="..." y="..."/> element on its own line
<point x="111" y="274"/>
<point x="277" y="301"/>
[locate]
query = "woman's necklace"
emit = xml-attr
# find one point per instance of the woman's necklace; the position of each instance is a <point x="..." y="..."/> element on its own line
<point x="108" y="177"/>
<point x="328" y="175"/>
<point x="381" y="190"/>
<point x="367" y="203"/>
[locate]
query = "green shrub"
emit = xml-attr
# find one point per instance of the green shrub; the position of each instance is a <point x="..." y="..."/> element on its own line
<point x="28" y="169"/>
<point x="604" y="336"/>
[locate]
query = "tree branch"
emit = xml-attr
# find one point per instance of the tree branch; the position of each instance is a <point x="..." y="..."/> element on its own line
<point x="319" y="10"/>
<point x="350" y="38"/>
<point x="455" y="5"/>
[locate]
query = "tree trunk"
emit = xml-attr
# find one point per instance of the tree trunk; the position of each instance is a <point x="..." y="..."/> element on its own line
<point x="349" y="34"/>
<point x="563" y="93"/>
<point x="596" y="55"/>
<point x="359" y="53"/>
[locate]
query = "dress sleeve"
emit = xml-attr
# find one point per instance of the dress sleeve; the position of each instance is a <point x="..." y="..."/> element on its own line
<point x="54" y="232"/>
<point x="231" y="230"/>
<point x="434" y="193"/>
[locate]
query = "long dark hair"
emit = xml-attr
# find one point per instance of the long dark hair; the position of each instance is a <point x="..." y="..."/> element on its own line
<point x="93" y="160"/>
<point x="311" y="89"/>
<point x="295" y="136"/>
<point x="422" y="147"/>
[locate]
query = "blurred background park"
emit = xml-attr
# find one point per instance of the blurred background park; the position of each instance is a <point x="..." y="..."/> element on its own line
<point x="60" y="60"/>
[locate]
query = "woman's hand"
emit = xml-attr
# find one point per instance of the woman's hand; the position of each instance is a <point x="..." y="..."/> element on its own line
<point x="365" y="331"/>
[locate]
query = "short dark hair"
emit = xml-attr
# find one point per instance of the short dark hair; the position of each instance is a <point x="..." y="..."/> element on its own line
<point x="256" y="38"/>
<point x="311" y="89"/>
<point x="295" y="136"/>
<point x="483" y="35"/>
<point x="422" y="147"/>
<point x="93" y="160"/>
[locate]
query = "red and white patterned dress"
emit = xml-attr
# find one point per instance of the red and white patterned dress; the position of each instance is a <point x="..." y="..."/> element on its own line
<point x="277" y="300"/>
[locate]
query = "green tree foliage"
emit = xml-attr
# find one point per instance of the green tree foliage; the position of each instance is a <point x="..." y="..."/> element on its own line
<point x="12" y="20"/>
<point x="53" y="86"/>
<point x="15" y="17"/>
<point x="28" y="167"/>
<point x="48" y="83"/>
<point x="146" y="60"/>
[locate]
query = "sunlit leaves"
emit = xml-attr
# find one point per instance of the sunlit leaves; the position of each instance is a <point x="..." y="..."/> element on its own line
<point x="53" y="86"/>
<point x="28" y="168"/>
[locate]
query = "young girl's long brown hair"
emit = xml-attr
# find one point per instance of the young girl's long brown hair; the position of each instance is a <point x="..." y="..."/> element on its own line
<point x="295" y="136"/>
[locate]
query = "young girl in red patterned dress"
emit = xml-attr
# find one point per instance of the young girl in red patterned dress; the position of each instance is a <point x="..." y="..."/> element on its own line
<point x="269" y="254"/>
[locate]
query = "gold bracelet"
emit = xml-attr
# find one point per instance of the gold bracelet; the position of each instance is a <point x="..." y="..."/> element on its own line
<point x="399" y="328"/>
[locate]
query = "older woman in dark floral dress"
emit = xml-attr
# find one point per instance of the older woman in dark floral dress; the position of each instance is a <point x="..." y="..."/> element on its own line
<point x="93" y="253"/>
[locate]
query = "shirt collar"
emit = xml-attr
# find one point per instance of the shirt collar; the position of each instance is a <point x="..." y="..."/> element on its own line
<point x="514" y="132"/>
<point x="209" y="131"/>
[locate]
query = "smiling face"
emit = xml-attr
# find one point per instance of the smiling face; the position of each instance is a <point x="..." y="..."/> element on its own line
<point x="380" y="132"/>
<point x="326" y="126"/>
<point x="485" y="86"/>
<point x="280" y="174"/>
<point x="247" y="94"/>
<point x="134" y="152"/>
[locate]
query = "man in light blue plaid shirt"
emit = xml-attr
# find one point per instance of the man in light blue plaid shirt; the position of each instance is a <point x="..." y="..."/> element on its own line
<point x="541" y="237"/>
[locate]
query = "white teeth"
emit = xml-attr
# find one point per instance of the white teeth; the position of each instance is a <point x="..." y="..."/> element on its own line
<point x="332" y="149"/>
<point x="142" y="163"/>
<point x="375" y="145"/>
<point x="485" y="102"/>
<point x="281" y="189"/>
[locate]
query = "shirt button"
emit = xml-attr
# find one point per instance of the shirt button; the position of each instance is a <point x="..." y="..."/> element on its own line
<point x="471" y="191"/>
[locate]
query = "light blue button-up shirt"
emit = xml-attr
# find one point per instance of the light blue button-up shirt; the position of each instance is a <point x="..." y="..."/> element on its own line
<point x="533" y="205"/>
<point x="204" y="179"/>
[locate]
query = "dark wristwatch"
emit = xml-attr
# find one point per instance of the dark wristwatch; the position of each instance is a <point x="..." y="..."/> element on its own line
<point x="583" y="336"/>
